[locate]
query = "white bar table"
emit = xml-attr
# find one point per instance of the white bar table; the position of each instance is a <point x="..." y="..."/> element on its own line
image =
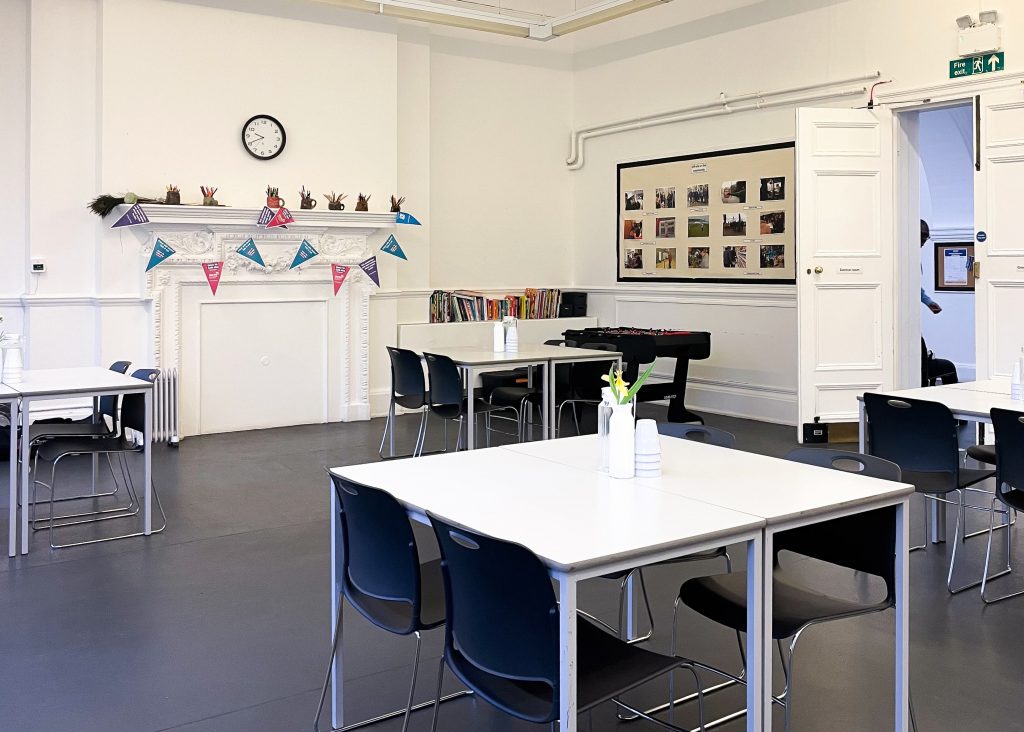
<point x="10" y="397"/>
<point x="785" y="494"/>
<point x="93" y="381"/>
<point x="473" y="361"/>
<point x="580" y="523"/>
<point x="970" y="401"/>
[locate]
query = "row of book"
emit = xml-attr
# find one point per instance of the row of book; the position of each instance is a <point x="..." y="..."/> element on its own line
<point x="457" y="306"/>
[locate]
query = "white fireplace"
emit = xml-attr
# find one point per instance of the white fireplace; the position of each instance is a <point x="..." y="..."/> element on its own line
<point x="274" y="346"/>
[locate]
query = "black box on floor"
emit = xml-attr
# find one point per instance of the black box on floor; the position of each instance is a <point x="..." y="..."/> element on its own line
<point x="815" y="433"/>
<point x="574" y="305"/>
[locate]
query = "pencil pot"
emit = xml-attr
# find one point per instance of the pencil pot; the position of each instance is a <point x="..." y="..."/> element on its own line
<point x="173" y="198"/>
<point x="209" y="201"/>
<point x="621" y="441"/>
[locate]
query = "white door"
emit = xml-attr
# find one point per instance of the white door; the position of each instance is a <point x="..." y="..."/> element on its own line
<point x="998" y="187"/>
<point x="845" y="259"/>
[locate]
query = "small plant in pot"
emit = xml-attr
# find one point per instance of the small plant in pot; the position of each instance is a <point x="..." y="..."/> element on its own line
<point x="334" y="201"/>
<point x="208" y="199"/>
<point x="363" y="203"/>
<point x="173" y="195"/>
<point x="396" y="204"/>
<point x="273" y="199"/>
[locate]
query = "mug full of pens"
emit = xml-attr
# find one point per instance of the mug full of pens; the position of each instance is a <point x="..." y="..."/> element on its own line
<point x="208" y="199"/>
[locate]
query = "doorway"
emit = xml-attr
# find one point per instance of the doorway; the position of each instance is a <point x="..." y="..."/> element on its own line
<point x="939" y="279"/>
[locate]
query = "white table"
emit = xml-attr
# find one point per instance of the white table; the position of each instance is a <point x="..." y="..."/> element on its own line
<point x="580" y="523"/>
<point x="94" y="381"/>
<point x="473" y="361"/>
<point x="785" y="494"/>
<point x="11" y="398"/>
<point x="970" y="401"/>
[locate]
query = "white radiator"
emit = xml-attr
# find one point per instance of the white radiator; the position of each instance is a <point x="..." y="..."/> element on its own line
<point x="165" y="407"/>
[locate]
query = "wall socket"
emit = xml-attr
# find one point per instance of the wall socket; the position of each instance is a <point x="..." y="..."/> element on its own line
<point x="38" y="266"/>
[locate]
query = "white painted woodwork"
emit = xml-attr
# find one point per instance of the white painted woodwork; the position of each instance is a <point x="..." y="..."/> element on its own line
<point x="999" y="293"/>
<point x="845" y="230"/>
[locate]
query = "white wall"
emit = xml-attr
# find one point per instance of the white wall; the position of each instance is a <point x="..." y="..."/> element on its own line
<point x="946" y="148"/>
<point x="750" y="47"/>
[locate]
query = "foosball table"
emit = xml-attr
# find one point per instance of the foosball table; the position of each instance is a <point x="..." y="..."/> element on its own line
<point x="640" y="346"/>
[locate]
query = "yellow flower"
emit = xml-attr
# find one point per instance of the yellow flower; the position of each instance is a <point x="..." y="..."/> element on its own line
<point x="620" y="385"/>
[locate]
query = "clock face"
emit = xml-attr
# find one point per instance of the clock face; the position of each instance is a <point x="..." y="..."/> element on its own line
<point x="263" y="136"/>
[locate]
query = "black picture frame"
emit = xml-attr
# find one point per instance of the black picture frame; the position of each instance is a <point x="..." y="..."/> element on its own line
<point x="619" y="277"/>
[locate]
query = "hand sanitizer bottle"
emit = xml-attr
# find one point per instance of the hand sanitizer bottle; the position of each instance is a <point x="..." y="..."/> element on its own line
<point x="499" y="337"/>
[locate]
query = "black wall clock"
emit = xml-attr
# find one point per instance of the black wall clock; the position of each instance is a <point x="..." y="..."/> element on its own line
<point x="263" y="137"/>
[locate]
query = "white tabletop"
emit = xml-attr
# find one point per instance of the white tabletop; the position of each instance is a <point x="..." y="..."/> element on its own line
<point x="992" y="386"/>
<point x="7" y="393"/>
<point x="962" y="402"/>
<point x="570" y="518"/>
<point x="774" y="489"/>
<point x="526" y="354"/>
<point x="83" y="380"/>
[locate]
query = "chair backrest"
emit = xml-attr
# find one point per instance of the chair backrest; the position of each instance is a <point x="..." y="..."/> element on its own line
<point x="585" y="376"/>
<point x="381" y="561"/>
<point x="108" y="404"/>
<point x="1009" y="426"/>
<point x="133" y="406"/>
<point x="406" y="373"/>
<point x="866" y="541"/>
<point x="697" y="433"/>
<point x="445" y="380"/>
<point x="502" y="612"/>
<point x="918" y="435"/>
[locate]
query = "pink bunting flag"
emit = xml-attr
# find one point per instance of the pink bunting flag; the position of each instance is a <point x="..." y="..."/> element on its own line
<point x="339" y="272"/>
<point x="213" y="272"/>
<point x="282" y="217"/>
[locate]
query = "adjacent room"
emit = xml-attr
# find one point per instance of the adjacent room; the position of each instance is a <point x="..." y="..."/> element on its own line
<point x="533" y="365"/>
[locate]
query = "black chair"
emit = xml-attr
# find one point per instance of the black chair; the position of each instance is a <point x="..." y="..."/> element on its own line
<point x="585" y="383"/>
<point x="448" y="401"/>
<point x="1009" y="427"/>
<point x="524" y="397"/>
<point x="983" y="453"/>
<point x="408" y="390"/>
<point x="921" y="437"/>
<point x="698" y="433"/>
<point x="95" y="425"/>
<point x="383" y="578"/>
<point x="133" y="417"/>
<point x="864" y="542"/>
<point x="502" y="636"/>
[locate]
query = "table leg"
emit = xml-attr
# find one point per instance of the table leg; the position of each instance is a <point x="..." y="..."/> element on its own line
<point x="902" y="614"/>
<point x="545" y="416"/>
<point x="631" y="629"/>
<point x="96" y="456"/>
<point x="862" y="429"/>
<point x="25" y="477"/>
<point x="567" y="653"/>
<point x="549" y="399"/>
<point x="337" y="690"/>
<point x="759" y="639"/>
<point x="147" y="457"/>
<point x="470" y="415"/>
<point x="12" y="487"/>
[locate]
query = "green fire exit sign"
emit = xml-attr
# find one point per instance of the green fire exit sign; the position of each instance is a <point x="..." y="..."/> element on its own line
<point x="983" y="64"/>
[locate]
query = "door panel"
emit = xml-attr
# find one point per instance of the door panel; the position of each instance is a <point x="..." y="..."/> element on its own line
<point x="999" y="291"/>
<point x="845" y="259"/>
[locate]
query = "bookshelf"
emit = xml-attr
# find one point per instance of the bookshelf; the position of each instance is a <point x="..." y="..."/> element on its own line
<point x="460" y="306"/>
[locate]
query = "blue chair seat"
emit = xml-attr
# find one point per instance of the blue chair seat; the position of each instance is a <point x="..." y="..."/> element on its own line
<point x="983" y="453"/>
<point x="397" y="615"/>
<point x="942" y="482"/>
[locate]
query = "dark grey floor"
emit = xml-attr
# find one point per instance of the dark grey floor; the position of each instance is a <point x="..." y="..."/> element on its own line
<point x="222" y="622"/>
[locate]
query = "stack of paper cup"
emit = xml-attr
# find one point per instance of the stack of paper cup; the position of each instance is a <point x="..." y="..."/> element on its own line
<point x="648" y="449"/>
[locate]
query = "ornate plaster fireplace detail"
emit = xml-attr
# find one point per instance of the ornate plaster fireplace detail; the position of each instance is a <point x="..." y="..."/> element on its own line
<point x="302" y="315"/>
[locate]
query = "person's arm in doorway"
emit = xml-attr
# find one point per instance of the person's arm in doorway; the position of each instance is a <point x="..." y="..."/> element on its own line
<point x="931" y="304"/>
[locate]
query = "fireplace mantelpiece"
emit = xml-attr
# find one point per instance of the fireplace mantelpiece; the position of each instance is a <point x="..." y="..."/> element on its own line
<point x="206" y="234"/>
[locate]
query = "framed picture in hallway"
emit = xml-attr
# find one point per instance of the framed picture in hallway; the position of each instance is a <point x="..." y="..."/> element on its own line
<point x="739" y="207"/>
<point x="954" y="267"/>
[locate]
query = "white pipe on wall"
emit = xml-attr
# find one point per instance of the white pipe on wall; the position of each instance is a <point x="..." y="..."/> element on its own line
<point x="708" y="109"/>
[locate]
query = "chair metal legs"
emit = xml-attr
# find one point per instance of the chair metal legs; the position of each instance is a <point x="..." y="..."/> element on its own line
<point x="389" y="434"/>
<point x="988" y="553"/>
<point x="409" y="707"/>
<point x="956" y="542"/>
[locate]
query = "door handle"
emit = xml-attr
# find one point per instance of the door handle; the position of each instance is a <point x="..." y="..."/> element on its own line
<point x="818" y="270"/>
<point x="977" y="270"/>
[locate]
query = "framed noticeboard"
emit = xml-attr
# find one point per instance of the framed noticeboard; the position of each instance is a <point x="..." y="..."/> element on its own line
<point x="723" y="216"/>
<point x="954" y="267"/>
